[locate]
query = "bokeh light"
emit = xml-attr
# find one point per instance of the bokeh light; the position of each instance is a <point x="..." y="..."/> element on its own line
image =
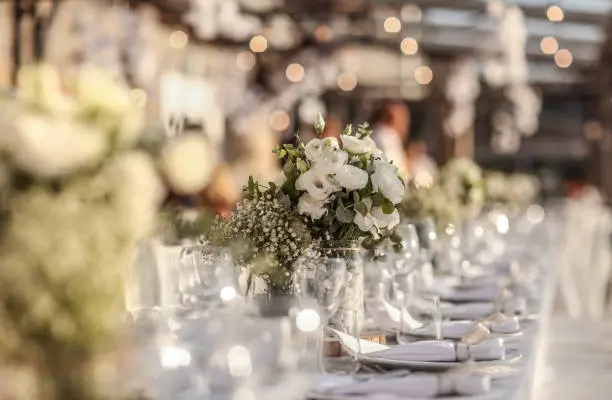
<point x="409" y="46"/>
<point x="555" y="14"/>
<point x="139" y="96"/>
<point x="392" y="25"/>
<point x="423" y="75"/>
<point x="324" y="33"/>
<point x="258" y="44"/>
<point x="564" y="58"/>
<point x="549" y="45"/>
<point x="279" y="120"/>
<point x="178" y="40"/>
<point x="295" y="72"/>
<point x="245" y="60"/>
<point x="347" y="81"/>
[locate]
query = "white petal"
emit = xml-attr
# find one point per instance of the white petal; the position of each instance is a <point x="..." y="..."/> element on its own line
<point x="382" y="220"/>
<point x="351" y="178"/>
<point x="386" y="181"/>
<point x="313" y="149"/>
<point x="311" y="207"/>
<point x="316" y="182"/>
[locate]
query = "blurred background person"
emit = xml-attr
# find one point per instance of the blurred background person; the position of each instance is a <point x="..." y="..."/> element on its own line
<point x="421" y="167"/>
<point x="586" y="260"/>
<point x="391" y="126"/>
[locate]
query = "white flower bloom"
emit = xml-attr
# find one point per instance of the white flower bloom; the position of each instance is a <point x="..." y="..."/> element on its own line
<point x="41" y="85"/>
<point x="117" y="110"/>
<point x="386" y="181"/>
<point x="187" y="164"/>
<point x="307" y="205"/>
<point x="351" y="177"/>
<point x="382" y="220"/>
<point x="48" y="148"/>
<point x="317" y="183"/>
<point x="353" y="144"/>
<point x="365" y="223"/>
<point x="314" y="149"/>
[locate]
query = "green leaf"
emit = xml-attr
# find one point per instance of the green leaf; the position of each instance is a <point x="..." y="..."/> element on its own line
<point x="272" y="186"/>
<point x="396" y="238"/>
<point x="341" y="195"/>
<point x="289" y="168"/>
<point x="301" y="165"/>
<point x="361" y="208"/>
<point x="282" y="153"/>
<point x="388" y="207"/>
<point x="356" y="197"/>
<point x="378" y="200"/>
<point x="344" y="215"/>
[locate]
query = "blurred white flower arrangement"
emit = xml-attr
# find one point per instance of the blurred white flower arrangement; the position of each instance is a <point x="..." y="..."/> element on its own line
<point x="76" y="194"/>
<point x="511" y="189"/>
<point x="462" y="179"/>
<point x="432" y="201"/>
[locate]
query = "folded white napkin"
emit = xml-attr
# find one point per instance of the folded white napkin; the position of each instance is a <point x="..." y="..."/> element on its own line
<point x="453" y="329"/>
<point x="415" y="386"/>
<point x="444" y="351"/>
<point x="467" y="310"/>
<point x="484" y="292"/>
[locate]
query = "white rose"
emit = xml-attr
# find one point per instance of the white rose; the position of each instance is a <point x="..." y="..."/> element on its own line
<point x="353" y="144"/>
<point x="351" y="177"/>
<point x="307" y="205"/>
<point x="317" y="183"/>
<point x="49" y="148"/>
<point x="187" y="163"/>
<point x="386" y="181"/>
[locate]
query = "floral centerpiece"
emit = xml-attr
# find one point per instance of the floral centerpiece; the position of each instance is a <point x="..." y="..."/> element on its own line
<point x="331" y="201"/>
<point x="511" y="189"/>
<point x="462" y="179"/>
<point x="431" y="202"/>
<point x="76" y="195"/>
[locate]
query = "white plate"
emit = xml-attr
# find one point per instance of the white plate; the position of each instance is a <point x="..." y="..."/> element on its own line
<point x="494" y="335"/>
<point x="512" y="356"/>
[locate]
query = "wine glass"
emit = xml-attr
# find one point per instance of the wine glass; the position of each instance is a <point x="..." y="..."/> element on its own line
<point x="409" y="254"/>
<point x="428" y="239"/>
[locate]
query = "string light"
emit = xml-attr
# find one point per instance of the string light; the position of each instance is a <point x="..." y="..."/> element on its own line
<point x="347" y="81"/>
<point x="555" y="14"/>
<point x="409" y="46"/>
<point x="258" y="44"/>
<point x="549" y="45"/>
<point x="178" y="39"/>
<point x="423" y="75"/>
<point x="564" y="58"/>
<point x="295" y="72"/>
<point x="279" y="120"/>
<point x="392" y="25"/>
<point x="245" y="60"/>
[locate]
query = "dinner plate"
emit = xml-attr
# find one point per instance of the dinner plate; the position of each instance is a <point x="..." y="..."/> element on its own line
<point x="512" y="356"/>
<point x="493" y="335"/>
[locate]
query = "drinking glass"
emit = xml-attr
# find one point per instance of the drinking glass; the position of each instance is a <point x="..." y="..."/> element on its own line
<point x="323" y="281"/>
<point x="428" y="239"/>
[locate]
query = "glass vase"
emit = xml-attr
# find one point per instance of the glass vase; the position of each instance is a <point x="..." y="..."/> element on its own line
<point x="350" y="312"/>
